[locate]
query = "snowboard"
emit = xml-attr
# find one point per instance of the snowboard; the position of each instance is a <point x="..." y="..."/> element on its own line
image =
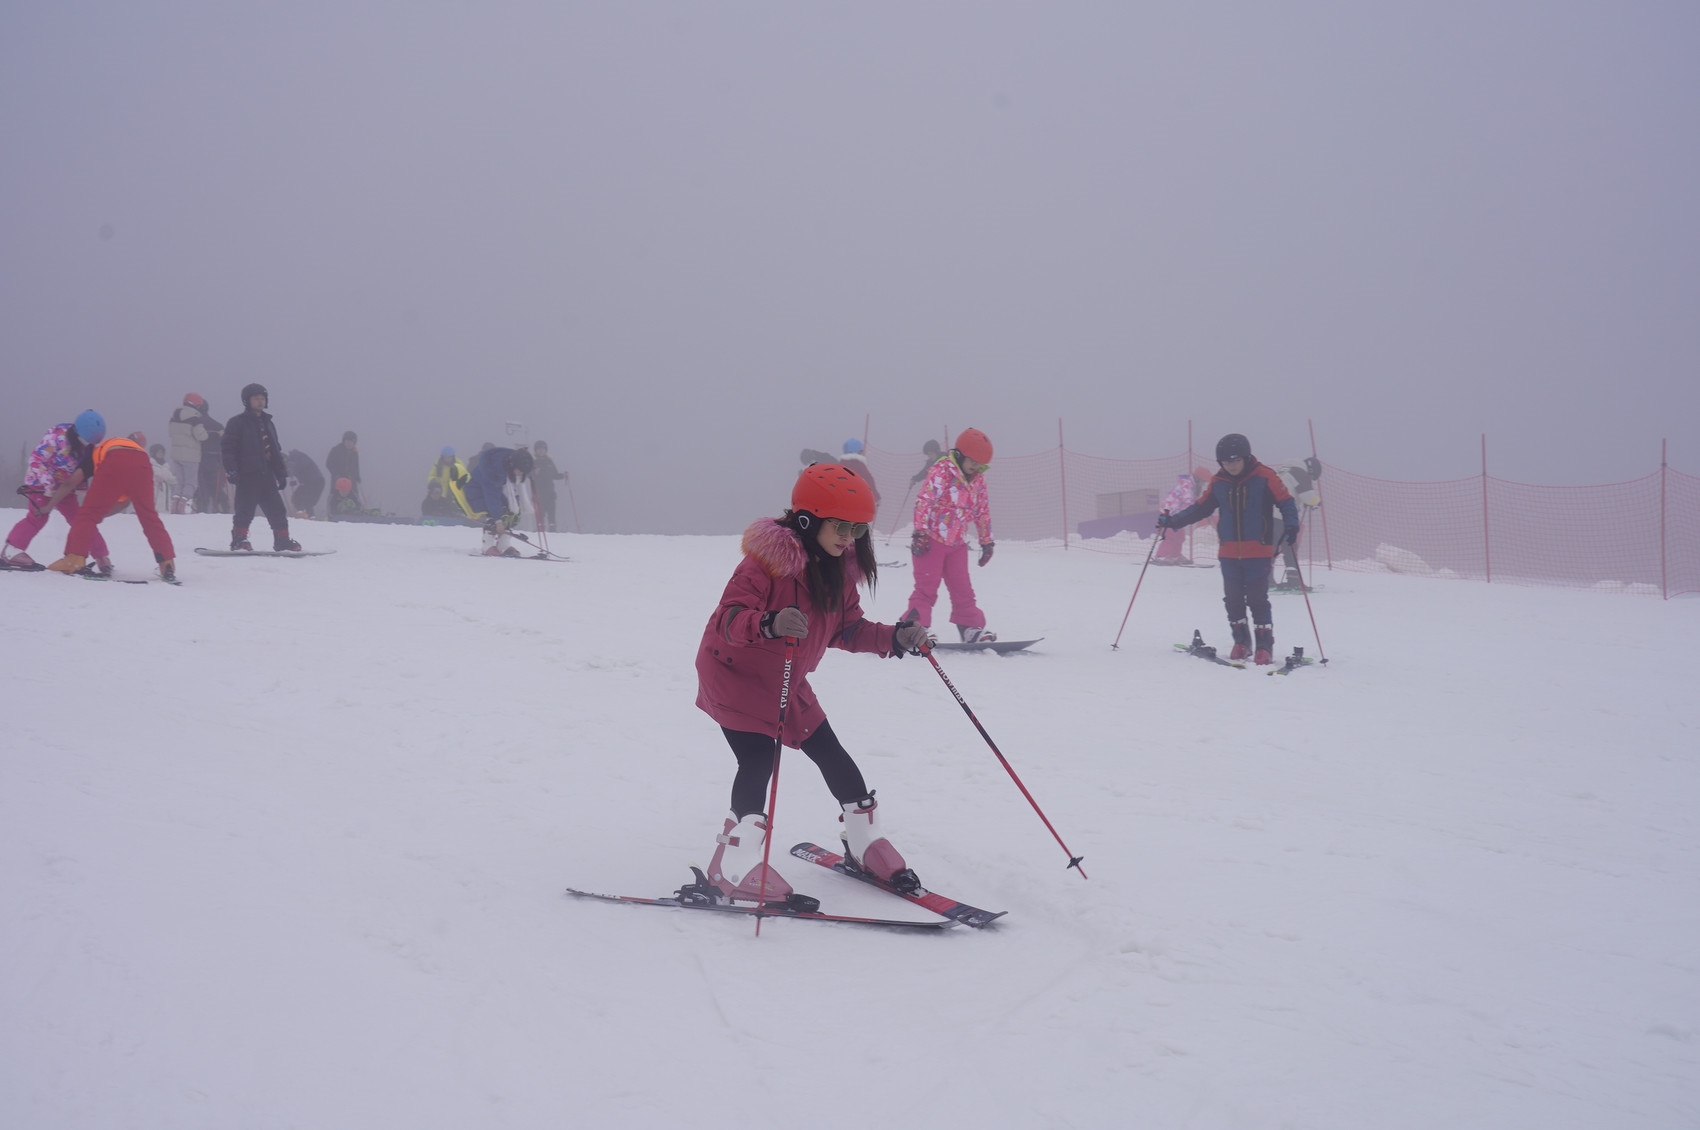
<point x="1002" y="647"/>
<point x="263" y="552"/>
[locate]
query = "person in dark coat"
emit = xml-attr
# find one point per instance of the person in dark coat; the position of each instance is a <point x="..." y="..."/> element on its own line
<point x="1247" y="495"/>
<point x="209" y="483"/>
<point x="344" y="463"/>
<point x="544" y="478"/>
<point x="254" y="463"/>
<point x="309" y="484"/>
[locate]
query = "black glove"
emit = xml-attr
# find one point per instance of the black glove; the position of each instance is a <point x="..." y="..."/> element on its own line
<point x="1165" y="521"/>
<point x="790" y="622"/>
<point x="231" y="475"/>
<point x="920" y="543"/>
<point x="985" y="552"/>
<point x="282" y="481"/>
<point x="1289" y="536"/>
<point x="909" y="637"/>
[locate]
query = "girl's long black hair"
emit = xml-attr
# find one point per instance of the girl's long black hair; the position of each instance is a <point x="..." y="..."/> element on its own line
<point x="824" y="573"/>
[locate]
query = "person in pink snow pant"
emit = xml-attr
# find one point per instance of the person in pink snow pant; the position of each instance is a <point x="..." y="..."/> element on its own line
<point x="60" y="463"/>
<point x="952" y="498"/>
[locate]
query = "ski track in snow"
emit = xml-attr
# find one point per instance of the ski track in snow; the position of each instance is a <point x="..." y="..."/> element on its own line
<point x="286" y="846"/>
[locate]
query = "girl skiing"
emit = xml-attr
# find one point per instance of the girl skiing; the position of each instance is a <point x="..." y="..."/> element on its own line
<point x="61" y="462"/>
<point x="952" y="498"/>
<point x="797" y="582"/>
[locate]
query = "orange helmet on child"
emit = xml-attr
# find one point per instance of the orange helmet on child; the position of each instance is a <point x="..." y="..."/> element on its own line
<point x="832" y="490"/>
<point x="974" y="445"/>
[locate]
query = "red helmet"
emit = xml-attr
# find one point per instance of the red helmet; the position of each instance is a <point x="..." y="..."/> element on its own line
<point x="194" y="400"/>
<point x="832" y="490"/>
<point x="974" y="445"/>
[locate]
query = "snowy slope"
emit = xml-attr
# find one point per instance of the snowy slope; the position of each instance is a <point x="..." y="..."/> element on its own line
<point x="285" y="847"/>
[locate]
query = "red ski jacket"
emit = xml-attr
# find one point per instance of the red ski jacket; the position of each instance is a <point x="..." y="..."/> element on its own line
<point x="739" y="672"/>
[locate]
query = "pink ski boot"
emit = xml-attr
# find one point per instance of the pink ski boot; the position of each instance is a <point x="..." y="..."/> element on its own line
<point x="737" y="872"/>
<point x="866" y="847"/>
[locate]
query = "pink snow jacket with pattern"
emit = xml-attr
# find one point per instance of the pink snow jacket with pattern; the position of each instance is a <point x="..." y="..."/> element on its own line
<point x="739" y="672"/>
<point x="53" y="462"/>
<point x="948" y="503"/>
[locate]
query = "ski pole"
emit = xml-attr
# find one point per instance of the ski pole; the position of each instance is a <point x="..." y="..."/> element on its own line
<point x="1073" y="860"/>
<point x="1155" y="539"/>
<point x="577" y="529"/>
<point x="778" y="748"/>
<point x="1304" y="588"/>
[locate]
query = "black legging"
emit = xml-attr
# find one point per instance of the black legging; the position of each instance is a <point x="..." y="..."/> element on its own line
<point x="755" y="766"/>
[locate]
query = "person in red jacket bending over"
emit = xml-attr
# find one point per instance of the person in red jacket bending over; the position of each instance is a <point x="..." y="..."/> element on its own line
<point x="797" y="582"/>
<point x="1246" y="494"/>
<point x="122" y="472"/>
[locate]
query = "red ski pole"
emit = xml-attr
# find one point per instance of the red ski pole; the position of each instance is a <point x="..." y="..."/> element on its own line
<point x="1073" y="860"/>
<point x="778" y="748"/>
<point x="1304" y="588"/>
<point x="1155" y="539"/>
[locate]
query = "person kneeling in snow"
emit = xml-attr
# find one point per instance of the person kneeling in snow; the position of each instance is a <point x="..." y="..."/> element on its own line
<point x="1247" y="494"/>
<point x="797" y="581"/>
<point x="499" y="489"/>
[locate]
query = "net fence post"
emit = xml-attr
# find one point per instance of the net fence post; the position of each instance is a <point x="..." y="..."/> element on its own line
<point x="1189" y="466"/>
<point x="1487" y="545"/>
<point x="1664" y="470"/>
<point x="1321" y="504"/>
<point x="1062" y="475"/>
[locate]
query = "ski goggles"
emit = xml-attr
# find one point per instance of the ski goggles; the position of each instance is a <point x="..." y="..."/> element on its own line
<point x="971" y="467"/>
<point x="846" y="529"/>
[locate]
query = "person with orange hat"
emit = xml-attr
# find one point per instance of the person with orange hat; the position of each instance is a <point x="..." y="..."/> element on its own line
<point x="952" y="498"/>
<point x="795" y="589"/>
<point x="122" y="472"/>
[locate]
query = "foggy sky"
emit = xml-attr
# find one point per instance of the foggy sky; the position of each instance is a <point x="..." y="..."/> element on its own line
<point x="682" y="241"/>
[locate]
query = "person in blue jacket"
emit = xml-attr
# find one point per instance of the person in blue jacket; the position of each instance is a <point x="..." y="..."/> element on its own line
<point x="498" y="489"/>
<point x="1247" y="495"/>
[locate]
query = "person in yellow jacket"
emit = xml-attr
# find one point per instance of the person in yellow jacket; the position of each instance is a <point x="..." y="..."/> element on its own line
<point x="122" y="472"/>
<point x="450" y="476"/>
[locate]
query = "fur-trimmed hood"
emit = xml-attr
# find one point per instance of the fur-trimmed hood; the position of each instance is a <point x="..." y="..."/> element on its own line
<point x="777" y="547"/>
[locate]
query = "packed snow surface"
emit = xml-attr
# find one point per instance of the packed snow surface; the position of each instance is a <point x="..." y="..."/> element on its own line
<point x="286" y="847"/>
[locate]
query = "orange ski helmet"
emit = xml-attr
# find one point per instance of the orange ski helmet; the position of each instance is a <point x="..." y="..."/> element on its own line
<point x="974" y="445"/>
<point x="832" y="490"/>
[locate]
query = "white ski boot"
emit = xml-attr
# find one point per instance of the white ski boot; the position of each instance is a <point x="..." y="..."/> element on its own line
<point x="498" y="545"/>
<point x="976" y="635"/>
<point x="736" y="871"/>
<point x="867" y="848"/>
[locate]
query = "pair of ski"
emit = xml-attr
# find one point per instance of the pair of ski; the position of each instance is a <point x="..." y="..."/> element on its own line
<point x="87" y="573"/>
<point x="951" y="913"/>
<point x="1203" y="650"/>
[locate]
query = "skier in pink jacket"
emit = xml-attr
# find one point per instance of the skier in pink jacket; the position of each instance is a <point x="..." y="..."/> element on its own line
<point x="953" y="497"/>
<point x="797" y="582"/>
